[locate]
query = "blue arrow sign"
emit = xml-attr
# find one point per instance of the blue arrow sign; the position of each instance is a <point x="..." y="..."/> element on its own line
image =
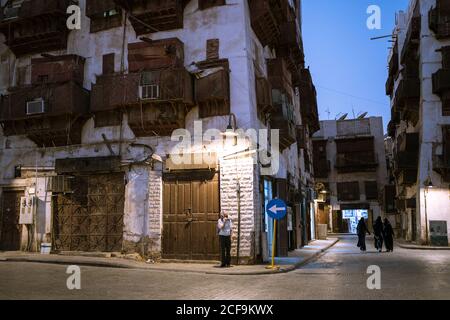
<point x="276" y="209"/>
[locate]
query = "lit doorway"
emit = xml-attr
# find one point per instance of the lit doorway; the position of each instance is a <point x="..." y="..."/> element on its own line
<point x="350" y="219"/>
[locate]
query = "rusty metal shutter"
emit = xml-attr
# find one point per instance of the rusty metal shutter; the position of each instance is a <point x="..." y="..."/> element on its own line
<point x="91" y="218"/>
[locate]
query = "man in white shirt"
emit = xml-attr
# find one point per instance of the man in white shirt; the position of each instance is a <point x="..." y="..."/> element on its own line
<point x="225" y="229"/>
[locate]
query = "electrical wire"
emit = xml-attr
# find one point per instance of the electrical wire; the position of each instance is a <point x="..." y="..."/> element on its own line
<point x="351" y="95"/>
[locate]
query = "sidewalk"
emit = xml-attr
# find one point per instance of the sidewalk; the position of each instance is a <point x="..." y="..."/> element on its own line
<point x="297" y="258"/>
<point x="412" y="246"/>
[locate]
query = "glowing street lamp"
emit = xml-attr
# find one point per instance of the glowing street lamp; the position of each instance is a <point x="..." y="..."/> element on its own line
<point x="231" y="128"/>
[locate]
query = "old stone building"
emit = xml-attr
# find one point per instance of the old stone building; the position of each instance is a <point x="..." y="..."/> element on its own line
<point x="418" y="85"/>
<point x="350" y="172"/>
<point x="90" y="117"/>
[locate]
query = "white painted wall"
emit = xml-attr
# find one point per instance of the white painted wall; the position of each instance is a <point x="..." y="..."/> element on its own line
<point x="429" y="126"/>
<point x="143" y="204"/>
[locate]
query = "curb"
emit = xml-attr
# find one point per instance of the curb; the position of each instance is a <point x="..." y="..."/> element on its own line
<point x="119" y="265"/>
<point x="314" y="256"/>
<point x="80" y="263"/>
<point x="418" y="247"/>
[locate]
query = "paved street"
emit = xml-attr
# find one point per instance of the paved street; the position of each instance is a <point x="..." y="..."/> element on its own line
<point x="340" y="273"/>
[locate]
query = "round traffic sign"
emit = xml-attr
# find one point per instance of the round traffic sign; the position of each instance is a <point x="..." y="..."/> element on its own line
<point x="276" y="209"/>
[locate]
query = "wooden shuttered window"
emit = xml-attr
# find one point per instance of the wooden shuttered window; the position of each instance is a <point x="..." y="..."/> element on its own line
<point x="348" y="191"/>
<point x="108" y="63"/>
<point x="212" y="49"/>
<point x="446" y="108"/>
<point x="371" y="190"/>
<point x="446" y="144"/>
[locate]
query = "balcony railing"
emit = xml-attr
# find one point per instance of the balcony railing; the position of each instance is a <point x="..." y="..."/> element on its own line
<point x="408" y="142"/>
<point x="392" y="129"/>
<point x="390" y="85"/>
<point x="441" y="81"/>
<point x="55" y="69"/>
<point x="133" y="89"/>
<point x="279" y="75"/>
<point x="212" y="89"/>
<point x="263" y="97"/>
<point x="445" y="52"/>
<point x="439" y="20"/>
<point x="48" y="114"/>
<point x="59" y="99"/>
<point x="157" y="54"/>
<point x="412" y="37"/>
<point x="283" y="118"/>
<point x="322" y="168"/>
<point x="32" y="8"/>
<point x="308" y="102"/>
<point x="267" y="18"/>
<point x="103" y="14"/>
<point x="356" y="162"/>
<point x="407" y="99"/>
<point x="405" y="161"/>
<point x="389" y="194"/>
<point x="264" y="21"/>
<point x="407" y="177"/>
<point x="156" y="101"/>
<point x="408" y="88"/>
<point x="97" y="8"/>
<point x="441" y="165"/>
<point x="153" y="16"/>
<point x="36" y="26"/>
<point x="291" y="49"/>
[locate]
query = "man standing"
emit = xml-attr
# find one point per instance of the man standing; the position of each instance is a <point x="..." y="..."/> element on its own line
<point x="225" y="228"/>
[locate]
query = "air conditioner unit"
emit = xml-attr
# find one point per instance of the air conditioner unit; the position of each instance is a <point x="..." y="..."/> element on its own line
<point x="28" y="207"/>
<point x="36" y="106"/>
<point x="149" y="92"/>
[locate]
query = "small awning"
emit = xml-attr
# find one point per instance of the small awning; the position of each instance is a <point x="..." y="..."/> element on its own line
<point x="193" y="161"/>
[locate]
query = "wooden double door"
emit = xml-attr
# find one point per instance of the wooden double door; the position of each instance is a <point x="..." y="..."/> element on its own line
<point x="191" y="208"/>
<point x="10" y="229"/>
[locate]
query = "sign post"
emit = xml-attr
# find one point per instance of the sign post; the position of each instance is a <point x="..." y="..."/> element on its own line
<point x="277" y="210"/>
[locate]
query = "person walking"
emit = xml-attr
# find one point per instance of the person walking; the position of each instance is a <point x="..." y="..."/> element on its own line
<point x="378" y="234"/>
<point x="388" y="234"/>
<point x="225" y="229"/>
<point x="361" y="230"/>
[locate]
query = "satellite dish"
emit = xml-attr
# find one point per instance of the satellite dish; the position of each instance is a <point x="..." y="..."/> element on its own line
<point x="362" y="116"/>
<point x="343" y="117"/>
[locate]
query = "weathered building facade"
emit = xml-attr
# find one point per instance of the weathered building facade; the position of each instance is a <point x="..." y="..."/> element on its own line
<point x="350" y="171"/>
<point x="88" y="117"/>
<point x="418" y="85"/>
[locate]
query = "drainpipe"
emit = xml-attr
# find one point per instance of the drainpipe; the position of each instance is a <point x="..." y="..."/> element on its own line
<point x="426" y="217"/>
<point x="239" y="222"/>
